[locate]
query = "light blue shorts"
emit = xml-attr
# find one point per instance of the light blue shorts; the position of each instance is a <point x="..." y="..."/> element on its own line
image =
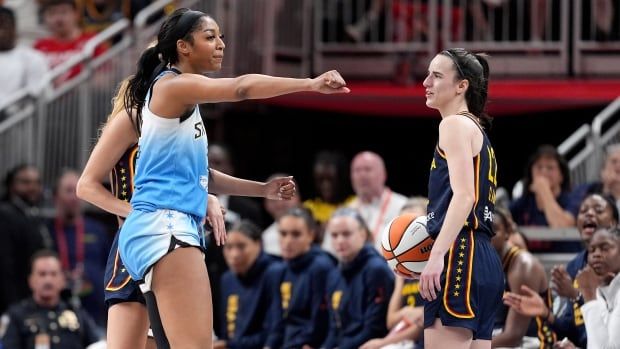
<point x="146" y="237"/>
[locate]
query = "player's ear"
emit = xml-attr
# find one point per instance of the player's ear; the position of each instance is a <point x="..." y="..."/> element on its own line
<point x="462" y="86"/>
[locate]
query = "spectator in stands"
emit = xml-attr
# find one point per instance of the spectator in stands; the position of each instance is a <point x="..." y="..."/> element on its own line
<point x="331" y="186"/>
<point x="596" y="211"/>
<point x="522" y="269"/>
<point x="609" y="183"/>
<point x="546" y="200"/>
<point x="304" y="319"/>
<point x="28" y="24"/>
<point x="22" y="67"/>
<point x="45" y="320"/>
<point x="248" y="289"/>
<point x="82" y="244"/>
<point x="600" y="287"/>
<point x="276" y="208"/>
<point x="96" y="15"/>
<point x="66" y="38"/>
<point x="405" y="315"/>
<point x="22" y="232"/>
<point x="605" y="19"/>
<point x="358" y="291"/>
<point x="599" y="283"/>
<point x="377" y="203"/>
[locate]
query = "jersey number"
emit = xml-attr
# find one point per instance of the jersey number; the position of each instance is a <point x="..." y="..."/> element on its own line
<point x="492" y="166"/>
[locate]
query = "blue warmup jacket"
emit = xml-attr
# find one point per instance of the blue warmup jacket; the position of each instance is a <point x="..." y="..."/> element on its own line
<point x="303" y="310"/>
<point x="246" y="304"/>
<point x="359" y="293"/>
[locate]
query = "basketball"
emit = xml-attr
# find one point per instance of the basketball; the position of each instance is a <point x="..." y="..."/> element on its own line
<point x="406" y="245"/>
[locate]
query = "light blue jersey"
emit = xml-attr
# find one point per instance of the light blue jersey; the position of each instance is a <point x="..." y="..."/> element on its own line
<point x="170" y="190"/>
<point x="172" y="166"/>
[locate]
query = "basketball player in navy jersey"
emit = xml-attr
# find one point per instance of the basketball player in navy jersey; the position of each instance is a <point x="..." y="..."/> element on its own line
<point x="463" y="279"/>
<point x="161" y="242"/>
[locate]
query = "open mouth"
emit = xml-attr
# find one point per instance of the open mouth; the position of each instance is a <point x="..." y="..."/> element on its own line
<point x="598" y="267"/>
<point x="589" y="228"/>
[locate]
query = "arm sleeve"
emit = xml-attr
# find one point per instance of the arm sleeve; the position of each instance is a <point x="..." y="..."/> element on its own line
<point x="274" y="324"/>
<point x="221" y="331"/>
<point x="379" y="283"/>
<point x="601" y="335"/>
<point x="315" y="334"/>
<point x="330" y="340"/>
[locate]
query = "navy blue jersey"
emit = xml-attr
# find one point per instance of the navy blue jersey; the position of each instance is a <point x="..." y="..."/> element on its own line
<point x="304" y="316"/>
<point x="440" y="192"/>
<point x="121" y="177"/>
<point x="359" y="294"/>
<point x="246" y="304"/>
<point x="538" y="327"/>
<point x="411" y="294"/>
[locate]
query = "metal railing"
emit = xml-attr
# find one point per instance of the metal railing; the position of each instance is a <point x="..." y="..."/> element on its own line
<point x="523" y="36"/>
<point x="578" y="149"/>
<point x="370" y="38"/>
<point x="58" y="127"/>
<point x="606" y="131"/>
<point x="596" y="37"/>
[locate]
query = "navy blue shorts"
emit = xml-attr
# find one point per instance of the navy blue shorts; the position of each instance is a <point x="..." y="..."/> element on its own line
<point x="472" y="286"/>
<point x="118" y="285"/>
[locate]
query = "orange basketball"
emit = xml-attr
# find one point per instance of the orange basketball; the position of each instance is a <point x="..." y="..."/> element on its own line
<point x="406" y="245"/>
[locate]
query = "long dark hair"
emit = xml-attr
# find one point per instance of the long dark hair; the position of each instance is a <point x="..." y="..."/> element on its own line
<point x="548" y="151"/>
<point x="178" y="26"/>
<point x="247" y="228"/>
<point x="474" y="68"/>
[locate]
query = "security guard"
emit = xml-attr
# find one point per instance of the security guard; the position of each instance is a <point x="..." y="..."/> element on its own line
<point x="45" y="321"/>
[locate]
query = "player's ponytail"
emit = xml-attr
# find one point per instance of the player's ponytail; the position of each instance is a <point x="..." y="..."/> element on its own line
<point x="483" y="91"/>
<point x="140" y="83"/>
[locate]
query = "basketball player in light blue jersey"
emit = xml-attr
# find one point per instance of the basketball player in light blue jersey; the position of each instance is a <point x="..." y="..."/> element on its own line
<point x="115" y="155"/>
<point x="172" y="174"/>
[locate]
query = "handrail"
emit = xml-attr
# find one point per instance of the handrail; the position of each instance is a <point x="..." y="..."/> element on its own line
<point x="150" y="10"/>
<point x="105" y="35"/>
<point x="89" y="48"/>
<point x="550" y="234"/>
<point x="14" y="97"/>
<point x="604" y="115"/>
<point x="580" y="134"/>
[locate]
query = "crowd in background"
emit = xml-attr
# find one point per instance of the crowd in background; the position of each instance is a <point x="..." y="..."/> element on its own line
<point x="309" y="271"/>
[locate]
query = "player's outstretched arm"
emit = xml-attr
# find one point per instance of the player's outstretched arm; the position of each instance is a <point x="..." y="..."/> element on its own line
<point x="196" y="89"/>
